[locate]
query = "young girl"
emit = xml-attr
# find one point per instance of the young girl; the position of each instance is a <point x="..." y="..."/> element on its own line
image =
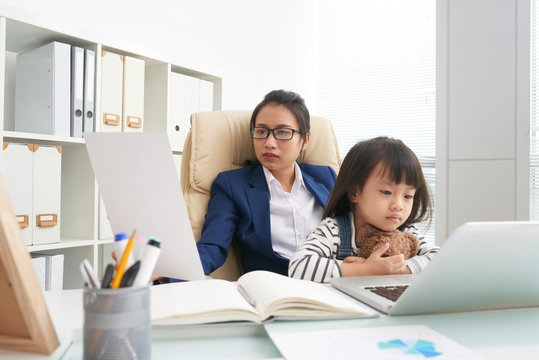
<point x="380" y="184"/>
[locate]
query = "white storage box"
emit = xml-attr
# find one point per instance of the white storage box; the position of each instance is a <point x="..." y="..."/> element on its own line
<point x="111" y="91"/>
<point x="43" y="90"/>
<point x="32" y="174"/>
<point x="133" y="95"/>
<point x="17" y="174"/>
<point x="47" y="194"/>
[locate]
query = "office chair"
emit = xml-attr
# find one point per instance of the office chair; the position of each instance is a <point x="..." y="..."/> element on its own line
<point x="220" y="141"/>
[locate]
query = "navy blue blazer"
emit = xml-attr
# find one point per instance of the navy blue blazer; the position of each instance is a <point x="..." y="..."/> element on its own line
<point x="239" y="207"/>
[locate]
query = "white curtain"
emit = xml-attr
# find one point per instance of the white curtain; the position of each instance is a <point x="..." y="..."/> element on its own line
<point x="534" y="121"/>
<point x="377" y="74"/>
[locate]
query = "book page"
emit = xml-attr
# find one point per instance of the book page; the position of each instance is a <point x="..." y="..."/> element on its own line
<point x="277" y="295"/>
<point x="199" y="302"/>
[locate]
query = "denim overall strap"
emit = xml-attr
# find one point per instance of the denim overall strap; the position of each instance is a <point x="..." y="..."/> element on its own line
<point x="345" y="236"/>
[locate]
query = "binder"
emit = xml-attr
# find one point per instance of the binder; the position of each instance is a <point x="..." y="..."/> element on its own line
<point x="51" y="267"/>
<point x="111" y="91"/>
<point x="55" y="272"/>
<point x="206" y="96"/>
<point x="40" y="267"/>
<point x="77" y="89"/>
<point x="192" y="97"/>
<point x="89" y="91"/>
<point x="133" y="95"/>
<point x="42" y="90"/>
<point x="178" y="124"/>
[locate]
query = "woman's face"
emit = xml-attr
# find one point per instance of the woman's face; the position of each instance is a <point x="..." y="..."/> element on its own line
<point x="278" y="155"/>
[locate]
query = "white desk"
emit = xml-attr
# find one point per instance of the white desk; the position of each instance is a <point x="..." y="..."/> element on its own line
<point x="498" y="334"/>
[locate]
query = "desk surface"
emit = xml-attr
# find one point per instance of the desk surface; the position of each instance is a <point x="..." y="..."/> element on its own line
<point x="495" y="334"/>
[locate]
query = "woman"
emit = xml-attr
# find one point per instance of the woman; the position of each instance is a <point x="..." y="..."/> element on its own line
<point x="270" y="207"/>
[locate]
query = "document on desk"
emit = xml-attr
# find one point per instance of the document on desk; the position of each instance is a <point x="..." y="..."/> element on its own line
<point x="373" y="343"/>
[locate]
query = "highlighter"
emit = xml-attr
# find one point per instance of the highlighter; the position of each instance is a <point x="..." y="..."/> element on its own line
<point x="149" y="257"/>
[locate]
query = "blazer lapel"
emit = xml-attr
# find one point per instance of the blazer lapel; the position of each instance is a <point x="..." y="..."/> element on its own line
<point x="319" y="191"/>
<point x="258" y="199"/>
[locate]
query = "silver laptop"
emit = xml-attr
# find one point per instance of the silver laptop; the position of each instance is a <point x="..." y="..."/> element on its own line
<point x="482" y="265"/>
<point x="141" y="191"/>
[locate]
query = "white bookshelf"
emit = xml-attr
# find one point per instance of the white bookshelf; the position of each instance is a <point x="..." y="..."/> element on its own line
<point x="79" y="192"/>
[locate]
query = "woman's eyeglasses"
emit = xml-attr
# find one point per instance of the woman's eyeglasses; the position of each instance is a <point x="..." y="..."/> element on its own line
<point x="278" y="133"/>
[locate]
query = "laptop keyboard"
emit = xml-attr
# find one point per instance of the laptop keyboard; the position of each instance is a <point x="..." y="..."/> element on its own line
<point x="391" y="292"/>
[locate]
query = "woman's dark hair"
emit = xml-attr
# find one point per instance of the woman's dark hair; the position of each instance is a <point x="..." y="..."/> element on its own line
<point x="395" y="157"/>
<point x="293" y="102"/>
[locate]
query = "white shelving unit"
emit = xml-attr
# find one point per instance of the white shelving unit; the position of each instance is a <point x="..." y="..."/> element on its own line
<point x="79" y="191"/>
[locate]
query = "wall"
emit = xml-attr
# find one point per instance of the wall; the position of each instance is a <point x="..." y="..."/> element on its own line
<point x="255" y="46"/>
<point x="482" y="112"/>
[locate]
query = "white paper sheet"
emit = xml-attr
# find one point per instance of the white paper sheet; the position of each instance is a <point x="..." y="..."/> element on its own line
<point x="387" y="342"/>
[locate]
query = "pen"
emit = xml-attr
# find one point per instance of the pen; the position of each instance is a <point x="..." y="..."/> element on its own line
<point x="130" y="274"/>
<point x="107" y="277"/>
<point x="87" y="267"/>
<point x="125" y="256"/>
<point x="85" y="278"/>
<point x="150" y="254"/>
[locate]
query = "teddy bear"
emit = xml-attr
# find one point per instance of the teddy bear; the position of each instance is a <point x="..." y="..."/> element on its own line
<point x="400" y="242"/>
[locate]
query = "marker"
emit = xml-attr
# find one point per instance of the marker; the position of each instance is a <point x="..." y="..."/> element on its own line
<point x="130" y="274"/>
<point x="140" y="243"/>
<point x="120" y="242"/>
<point x="125" y="256"/>
<point x="150" y="254"/>
<point x="107" y="277"/>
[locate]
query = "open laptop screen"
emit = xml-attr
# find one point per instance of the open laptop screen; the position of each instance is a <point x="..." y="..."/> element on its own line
<point x="481" y="266"/>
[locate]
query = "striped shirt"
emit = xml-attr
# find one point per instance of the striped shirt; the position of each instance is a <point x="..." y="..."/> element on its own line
<point x="317" y="259"/>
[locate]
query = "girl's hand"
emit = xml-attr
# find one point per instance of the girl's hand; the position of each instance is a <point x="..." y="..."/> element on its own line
<point x="379" y="265"/>
<point x="354" y="259"/>
<point x="375" y="264"/>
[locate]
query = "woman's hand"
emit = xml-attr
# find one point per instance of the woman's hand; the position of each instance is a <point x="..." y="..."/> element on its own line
<point x="375" y="264"/>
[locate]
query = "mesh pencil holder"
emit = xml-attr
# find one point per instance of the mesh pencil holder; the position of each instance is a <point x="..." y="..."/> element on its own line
<point x="117" y="323"/>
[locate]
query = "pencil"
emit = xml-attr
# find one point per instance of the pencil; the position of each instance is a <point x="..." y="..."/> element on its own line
<point x="123" y="262"/>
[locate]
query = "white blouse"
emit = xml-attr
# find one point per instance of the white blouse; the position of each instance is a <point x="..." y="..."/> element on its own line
<point x="293" y="215"/>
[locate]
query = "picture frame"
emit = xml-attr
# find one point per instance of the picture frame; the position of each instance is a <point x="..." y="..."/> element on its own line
<point x="25" y="323"/>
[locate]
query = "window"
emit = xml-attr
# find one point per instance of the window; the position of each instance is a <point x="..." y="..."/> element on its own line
<point x="377" y="74"/>
<point x="534" y="121"/>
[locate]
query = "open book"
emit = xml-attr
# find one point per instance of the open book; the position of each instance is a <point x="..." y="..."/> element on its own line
<point x="257" y="296"/>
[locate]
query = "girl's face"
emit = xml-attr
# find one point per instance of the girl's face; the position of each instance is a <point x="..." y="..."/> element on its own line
<point x="278" y="155"/>
<point x="382" y="203"/>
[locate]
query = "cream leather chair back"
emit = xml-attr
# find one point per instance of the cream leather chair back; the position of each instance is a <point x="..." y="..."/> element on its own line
<point x="220" y="141"/>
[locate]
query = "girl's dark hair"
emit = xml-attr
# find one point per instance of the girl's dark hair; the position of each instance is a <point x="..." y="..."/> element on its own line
<point x="293" y="102"/>
<point x="395" y="157"/>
